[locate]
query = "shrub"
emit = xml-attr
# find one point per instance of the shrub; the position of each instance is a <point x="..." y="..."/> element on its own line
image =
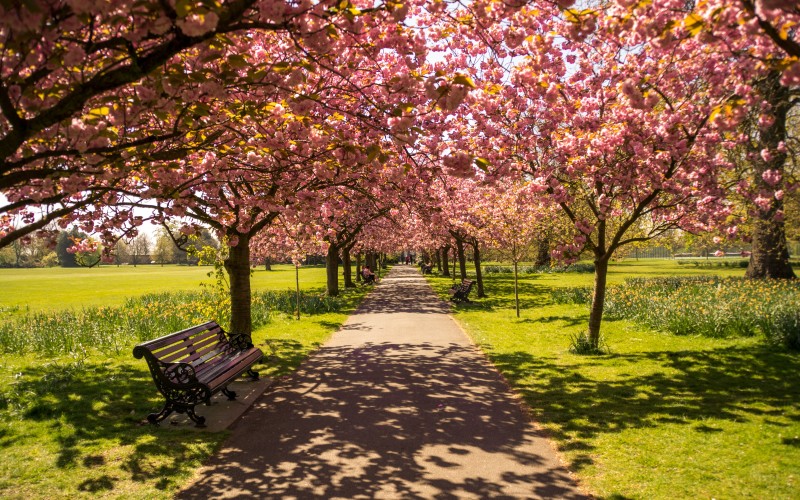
<point x="580" y="344"/>
<point x="112" y="329"/>
<point x="573" y="295"/>
<point x="497" y="269"/>
<point x="782" y="328"/>
<point x="711" y="307"/>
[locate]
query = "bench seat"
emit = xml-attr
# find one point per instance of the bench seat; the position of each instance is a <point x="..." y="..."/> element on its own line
<point x="190" y="366"/>
<point x="460" y="293"/>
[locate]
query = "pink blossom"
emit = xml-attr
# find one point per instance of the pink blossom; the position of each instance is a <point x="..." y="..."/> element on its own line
<point x="198" y="24"/>
<point x="455" y="96"/>
<point x="459" y="165"/>
<point x="771" y="177"/>
<point x="763" y="203"/>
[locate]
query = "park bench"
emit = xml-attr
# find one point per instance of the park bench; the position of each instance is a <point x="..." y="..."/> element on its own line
<point x="426" y="268"/>
<point x="460" y="293"/>
<point x="191" y="365"/>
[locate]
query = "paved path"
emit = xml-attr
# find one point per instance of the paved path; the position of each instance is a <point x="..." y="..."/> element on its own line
<point x="398" y="404"/>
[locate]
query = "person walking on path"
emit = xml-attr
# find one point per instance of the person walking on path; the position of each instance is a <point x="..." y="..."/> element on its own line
<point x="397" y="404"/>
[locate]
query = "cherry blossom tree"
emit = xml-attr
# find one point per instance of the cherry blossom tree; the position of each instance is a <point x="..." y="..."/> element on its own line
<point x="612" y="130"/>
<point x="228" y="114"/>
<point x="513" y="220"/>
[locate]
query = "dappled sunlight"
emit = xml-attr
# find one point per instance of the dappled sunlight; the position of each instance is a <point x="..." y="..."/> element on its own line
<point x="90" y="404"/>
<point x="682" y="387"/>
<point x="395" y="419"/>
<point x="370" y="415"/>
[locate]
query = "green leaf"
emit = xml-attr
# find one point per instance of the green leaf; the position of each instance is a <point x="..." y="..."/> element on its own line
<point x="282" y="67"/>
<point x="183" y="8"/>
<point x="101" y="111"/>
<point x="464" y="80"/>
<point x="237" y="61"/>
<point x="373" y="150"/>
<point x="693" y="23"/>
<point x="482" y="163"/>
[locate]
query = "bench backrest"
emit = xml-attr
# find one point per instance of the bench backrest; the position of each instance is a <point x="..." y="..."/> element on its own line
<point x="195" y="345"/>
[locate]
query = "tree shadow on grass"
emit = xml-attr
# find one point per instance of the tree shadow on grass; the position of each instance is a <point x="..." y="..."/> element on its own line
<point x="90" y="411"/>
<point x="498" y="290"/>
<point x="568" y="321"/>
<point x="283" y="356"/>
<point x="725" y="384"/>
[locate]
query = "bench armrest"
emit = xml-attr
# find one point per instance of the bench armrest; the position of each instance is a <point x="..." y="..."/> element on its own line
<point x="179" y="374"/>
<point x="240" y="341"/>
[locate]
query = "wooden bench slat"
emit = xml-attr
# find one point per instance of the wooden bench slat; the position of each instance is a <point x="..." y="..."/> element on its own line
<point x="192" y="351"/>
<point x="173" y="337"/>
<point x="224" y="365"/>
<point x="229" y="375"/>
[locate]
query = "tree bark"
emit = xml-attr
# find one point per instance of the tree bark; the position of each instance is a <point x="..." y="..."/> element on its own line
<point x="462" y="258"/>
<point x="598" y="298"/>
<point x="543" y="252"/>
<point x="446" y="261"/>
<point x="237" y="266"/>
<point x="347" y="269"/>
<point x="478" y="274"/>
<point x="332" y="270"/>
<point x="770" y="255"/>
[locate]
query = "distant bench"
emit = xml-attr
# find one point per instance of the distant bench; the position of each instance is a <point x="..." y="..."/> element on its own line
<point x="191" y="365"/>
<point x="460" y="293"/>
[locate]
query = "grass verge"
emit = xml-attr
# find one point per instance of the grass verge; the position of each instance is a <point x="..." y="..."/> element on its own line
<point x="71" y="425"/>
<point x="661" y="416"/>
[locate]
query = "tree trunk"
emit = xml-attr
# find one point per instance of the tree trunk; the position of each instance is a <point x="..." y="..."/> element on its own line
<point x="370" y="261"/>
<point x="543" y="252"/>
<point x="358" y="268"/>
<point x="770" y="257"/>
<point x="478" y="274"/>
<point x="438" y="256"/>
<point x="238" y="267"/>
<point x="598" y="299"/>
<point x="267" y="264"/>
<point x="332" y="270"/>
<point x="347" y="269"/>
<point x="516" y="287"/>
<point x="446" y="261"/>
<point x="462" y="259"/>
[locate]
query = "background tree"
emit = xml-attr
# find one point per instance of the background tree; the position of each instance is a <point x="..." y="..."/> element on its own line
<point x="139" y="248"/>
<point x="512" y="225"/>
<point x="66" y="240"/>
<point x="164" y="251"/>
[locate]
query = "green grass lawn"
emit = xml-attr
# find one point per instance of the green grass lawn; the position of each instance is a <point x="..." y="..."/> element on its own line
<point x="71" y="426"/>
<point x="661" y="416"/>
<point x="60" y="288"/>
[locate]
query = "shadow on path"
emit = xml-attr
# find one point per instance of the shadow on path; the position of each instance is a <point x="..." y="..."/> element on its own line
<point x="398" y="404"/>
